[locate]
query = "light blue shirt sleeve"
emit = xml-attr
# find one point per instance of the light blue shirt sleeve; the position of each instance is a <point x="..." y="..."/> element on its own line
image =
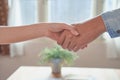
<point x="111" y="20"/>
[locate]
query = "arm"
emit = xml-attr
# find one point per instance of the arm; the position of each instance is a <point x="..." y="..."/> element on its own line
<point x="90" y="30"/>
<point x="23" y="33"/>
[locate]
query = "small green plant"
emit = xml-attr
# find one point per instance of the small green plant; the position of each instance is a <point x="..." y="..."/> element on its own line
<point x="49" y="54"/>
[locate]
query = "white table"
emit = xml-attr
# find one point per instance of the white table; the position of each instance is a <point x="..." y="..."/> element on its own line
<point x="68" y="73"/>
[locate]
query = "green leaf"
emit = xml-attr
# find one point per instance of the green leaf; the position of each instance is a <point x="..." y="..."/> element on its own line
<point x="57" y="52"/>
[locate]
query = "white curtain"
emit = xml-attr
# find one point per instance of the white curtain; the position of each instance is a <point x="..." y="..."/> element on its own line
<point x="21" y="12"/>
<point x="69" y="11"/>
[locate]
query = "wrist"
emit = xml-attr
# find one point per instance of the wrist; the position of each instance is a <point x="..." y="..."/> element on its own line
<point x="100" y="24"/>
<point x="46" y="29"/>
<point x="41" y="29"/>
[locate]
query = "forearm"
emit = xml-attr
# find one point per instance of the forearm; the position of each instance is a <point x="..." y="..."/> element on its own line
<point x="95" y="25"/>
<point x="21" y="33"/>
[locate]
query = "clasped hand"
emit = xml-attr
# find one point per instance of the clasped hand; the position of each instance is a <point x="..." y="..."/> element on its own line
<point x="68" y="38"/>
<point x="73" y="42"/>
<point x="87" y="32"/>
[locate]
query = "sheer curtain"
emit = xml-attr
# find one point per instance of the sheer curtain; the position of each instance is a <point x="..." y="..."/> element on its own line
<point x="69" y="11"/>
<point x="21" y="12"/>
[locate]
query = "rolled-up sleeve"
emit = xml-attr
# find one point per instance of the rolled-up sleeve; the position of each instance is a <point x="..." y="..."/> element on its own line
<point x="112" y="22"/>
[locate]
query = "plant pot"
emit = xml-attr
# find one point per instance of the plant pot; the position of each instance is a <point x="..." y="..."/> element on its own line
<point x="56" y="67"/>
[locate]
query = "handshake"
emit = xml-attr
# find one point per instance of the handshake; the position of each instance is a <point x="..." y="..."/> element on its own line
<point x="68" y="36"/>
<point x="72" y="37"/>
<point x="76" y="36"/>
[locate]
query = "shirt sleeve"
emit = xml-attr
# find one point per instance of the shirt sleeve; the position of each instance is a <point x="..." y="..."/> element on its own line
<point x="111" y="20"/>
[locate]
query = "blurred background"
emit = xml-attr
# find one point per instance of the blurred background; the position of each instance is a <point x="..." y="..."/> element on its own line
<point x="104" y="52"/>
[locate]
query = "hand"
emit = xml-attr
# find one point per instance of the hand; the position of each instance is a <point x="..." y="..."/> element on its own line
<point x="55" y="29"/>
<point x="69" y="41"/>
<point x="88" y="31"/>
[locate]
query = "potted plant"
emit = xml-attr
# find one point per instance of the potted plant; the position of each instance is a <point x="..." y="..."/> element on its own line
<point x="57" y="56"/>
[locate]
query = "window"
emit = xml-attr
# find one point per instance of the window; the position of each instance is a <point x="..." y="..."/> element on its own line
<point x="22" y="12"/>
<point x="69" y="11"/>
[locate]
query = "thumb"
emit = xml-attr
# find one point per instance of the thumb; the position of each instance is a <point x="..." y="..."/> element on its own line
<point x="71" y="29"/>
<point x="61" y="27"/>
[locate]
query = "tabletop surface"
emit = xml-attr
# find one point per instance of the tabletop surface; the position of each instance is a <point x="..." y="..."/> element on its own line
<point x="68" y="73"/>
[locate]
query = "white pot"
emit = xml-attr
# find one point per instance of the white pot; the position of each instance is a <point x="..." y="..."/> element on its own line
<point x="56" y="66"/>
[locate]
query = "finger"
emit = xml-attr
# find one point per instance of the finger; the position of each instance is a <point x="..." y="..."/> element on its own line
<point x="78" y="47"/>
<point x="71" y="47"/>
<point x="67" y="41"/>
<point x="61" y="38"/>
<point x="75" y="49"/>
<point x="83" y="46"/>
<point x="72" y="43"/>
